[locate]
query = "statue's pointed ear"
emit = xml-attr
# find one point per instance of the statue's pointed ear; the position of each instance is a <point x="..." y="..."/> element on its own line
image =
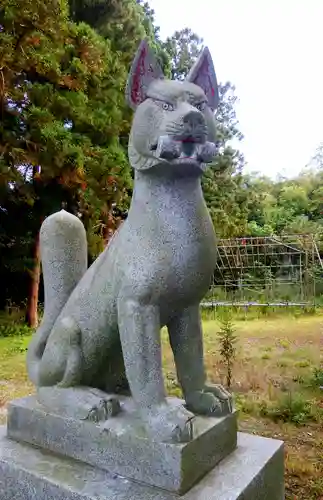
<point x="203" y="75"/>
<point x="144" y="70"/>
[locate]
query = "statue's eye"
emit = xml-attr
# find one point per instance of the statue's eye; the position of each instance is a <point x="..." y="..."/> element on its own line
<point x="167" y="106"/>
<point x="200" y="106"/>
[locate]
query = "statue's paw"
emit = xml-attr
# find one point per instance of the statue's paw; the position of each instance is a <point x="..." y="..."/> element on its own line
<point x="102" y="408"/>
<point x="212" y="400"/>
<point x="96" y="413"/>
<point x="79" y="403"/>
<point x="169" y="424"/>
<point x="223" y="395"/>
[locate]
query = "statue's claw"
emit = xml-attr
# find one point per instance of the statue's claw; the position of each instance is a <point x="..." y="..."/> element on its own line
<point x="168" y="423"/>
<point x="103" y="410"/>
<point x="213" y="400"/>
<point x="112" y="407"/>
<point x="223" y="395"/>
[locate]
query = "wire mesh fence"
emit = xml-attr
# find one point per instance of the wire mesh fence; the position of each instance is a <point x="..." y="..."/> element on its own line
<point x="271" y="270"/>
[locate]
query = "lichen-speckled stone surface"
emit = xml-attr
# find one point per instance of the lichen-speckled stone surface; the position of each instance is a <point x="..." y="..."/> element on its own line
<point x="101" y="328"/>
<point x="253" y="472"/>
<point x="121" y="445"/>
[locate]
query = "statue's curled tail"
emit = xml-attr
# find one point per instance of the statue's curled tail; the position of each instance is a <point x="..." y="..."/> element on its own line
<point x="63" y="249"/>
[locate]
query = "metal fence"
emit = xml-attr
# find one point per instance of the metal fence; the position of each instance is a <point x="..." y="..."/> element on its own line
<point x="272" y="270"/>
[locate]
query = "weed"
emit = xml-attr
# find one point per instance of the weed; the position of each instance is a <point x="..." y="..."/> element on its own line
<point x="227" y="339"/>
<point x="302" y="364"/>
<point x="290" y="407"/>
<point x="284" y="344"/>
<point x="172" y="385"/>
<point x="249" y="404"/>
<point x="283" y="363"/>
<point x="299" y="379"/>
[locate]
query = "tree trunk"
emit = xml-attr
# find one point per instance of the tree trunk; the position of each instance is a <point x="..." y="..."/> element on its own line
<point x="107" y="231"/>
<point x="110" y="227"/>
<point x="32" y="305"/>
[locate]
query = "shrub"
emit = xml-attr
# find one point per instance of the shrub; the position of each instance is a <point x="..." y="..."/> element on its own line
<point x="14" y="330"/>
<point x="291" y="407"/>
<point x="317" y="377"/>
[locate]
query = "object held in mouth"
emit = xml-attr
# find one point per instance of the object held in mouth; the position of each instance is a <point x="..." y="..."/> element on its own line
<point x="170" y="149"/>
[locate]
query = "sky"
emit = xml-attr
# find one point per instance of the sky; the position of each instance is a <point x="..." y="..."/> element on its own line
<point x="272" y="51"/>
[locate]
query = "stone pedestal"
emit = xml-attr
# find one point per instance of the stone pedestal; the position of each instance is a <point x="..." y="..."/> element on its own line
<point x="45" y="457"/>
<point x="121" y="445"/>
<point x="254" y="471"/>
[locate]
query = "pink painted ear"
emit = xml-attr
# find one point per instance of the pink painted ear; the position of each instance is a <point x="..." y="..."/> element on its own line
<point x="203" y="75"/>
<point x="144" y="70"/>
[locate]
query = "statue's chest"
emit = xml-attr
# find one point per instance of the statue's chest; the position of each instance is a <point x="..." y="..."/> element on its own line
<point x="184" y="266"/>
<point x="168" y="254"/>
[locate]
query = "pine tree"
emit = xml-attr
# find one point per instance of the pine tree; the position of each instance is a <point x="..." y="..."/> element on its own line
<point x="183" y="48"/>
<point x="122" y="23"/>
<point x="61" y="94"/>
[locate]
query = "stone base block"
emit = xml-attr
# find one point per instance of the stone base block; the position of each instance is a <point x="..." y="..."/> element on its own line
<point x="254" y="471"/>
<point x="120" y="445"/>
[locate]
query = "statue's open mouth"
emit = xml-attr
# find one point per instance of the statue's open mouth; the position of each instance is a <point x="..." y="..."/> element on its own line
<point x="189" y="149"/>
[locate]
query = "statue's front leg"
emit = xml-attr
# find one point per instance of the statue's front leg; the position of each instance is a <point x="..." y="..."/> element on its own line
<point x="186" y="338"/>
<point x="139" y="327"/>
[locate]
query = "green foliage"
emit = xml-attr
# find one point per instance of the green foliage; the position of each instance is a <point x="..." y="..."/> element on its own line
<point x="12" y="325"/>
<point x="62" y="113"/>
<point x="294" y="408"/>
<point x="287" y="206"/>
<point x="183" y="48"/>
<point x="14" y="330"/>
<point x="102" y="14"/>
<point x="227" y="340"/>
<point x="317" y="378"/>
<point x="152" y="34"/>
<point x="124" y="23"/>
<point x="223" y="183"/>
<point x="244" y="313"/>
<point x="291" y="407"/>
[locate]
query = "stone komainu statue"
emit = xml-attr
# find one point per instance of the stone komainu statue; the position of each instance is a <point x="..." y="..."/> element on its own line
<point x="101" y="328"/>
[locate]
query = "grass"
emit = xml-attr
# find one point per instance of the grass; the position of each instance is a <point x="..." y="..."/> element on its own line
<point x="276" y="382"/>
<point x="13" y="377"/>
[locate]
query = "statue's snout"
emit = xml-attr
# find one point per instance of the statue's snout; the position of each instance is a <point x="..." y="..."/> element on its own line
<point x="190" y="127"/>
<point x="194" y="119"/>
<point x="186" y="138"/>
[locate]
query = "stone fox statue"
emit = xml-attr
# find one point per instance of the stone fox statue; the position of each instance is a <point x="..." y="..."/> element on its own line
<point x="101" y="326"/>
